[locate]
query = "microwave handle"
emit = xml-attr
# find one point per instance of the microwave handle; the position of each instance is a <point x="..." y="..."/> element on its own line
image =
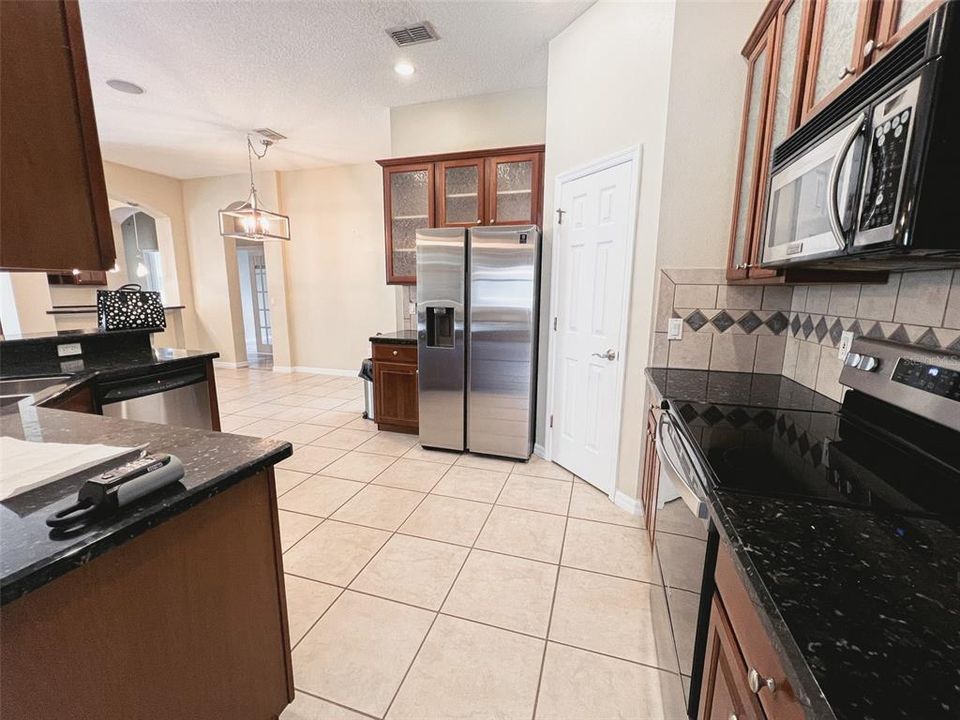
<point x="839" y="232"/>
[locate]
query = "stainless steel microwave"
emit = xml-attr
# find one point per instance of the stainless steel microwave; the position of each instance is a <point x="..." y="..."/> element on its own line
<point x="873" y="180"/>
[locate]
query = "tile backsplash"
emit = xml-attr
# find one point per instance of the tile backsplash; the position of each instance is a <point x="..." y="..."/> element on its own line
<point x="795" y="330"/>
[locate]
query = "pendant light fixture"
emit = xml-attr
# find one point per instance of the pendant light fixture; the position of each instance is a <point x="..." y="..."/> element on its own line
<point x="245" y="219"/>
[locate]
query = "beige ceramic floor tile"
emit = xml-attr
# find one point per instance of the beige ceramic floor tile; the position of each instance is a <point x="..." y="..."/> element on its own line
<point x="380" y="507"/>
<point x="307" y="707"/>
<point x="296" y="414"/>
<point x="577" y="684"/>
<point x="464" y="667"/>
<point x="302" y="433"/>
<point x="359" y="466"/>
<point x="682" y="560"/>
<point x="264" y="427"/>
<point x="310" y="459"/>
<point x="344" y="439"/>
<point x="306" y="602"/>
<point x="261" y="409"/>
<point x="287" y="479"/>
<point x="538" y="467"/>
<point x="529" y="534"/>
<point x="335" y="418"/>
<point x="362" y="424"/>
<point x="389" y="443"/>
<point x="444" y="457"/>
<point x="334" y="553"/>
<point x="320" y="495"/>
<point x="485" y="462"/>
<point x="534" y="493"/>
<point x="417" y="475"/>
<point x="471" y="484"/>
<point x="360" y="650"/>
<point x="592" y="504"/>
<point x="447" y="519"/>
<point x="610" y="549"/>
<point x="509" y="592"/>
<point x="623" y="618"/>
<point x="294" y="526"/>
<point x="322" y="403"/>
<point x="412" y="570"/>
<point x="233" y="423"/>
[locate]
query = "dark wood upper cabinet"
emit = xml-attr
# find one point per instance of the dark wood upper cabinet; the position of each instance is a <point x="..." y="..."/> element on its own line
<point x="53" y="195"/>
<point x="895" y="20"/>
<point x="502" y="186"/>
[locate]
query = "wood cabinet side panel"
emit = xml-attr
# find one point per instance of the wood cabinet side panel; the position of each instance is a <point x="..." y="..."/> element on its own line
<point x="184" y="621"/>
<point x="395" y="394"/>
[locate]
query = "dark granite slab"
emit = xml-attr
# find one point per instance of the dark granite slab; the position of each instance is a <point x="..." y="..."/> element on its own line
<point x="32" y="555"/>
<point x="67" y="336"/>
<point x="737" y="388"/>
<point x="402" y="337"/>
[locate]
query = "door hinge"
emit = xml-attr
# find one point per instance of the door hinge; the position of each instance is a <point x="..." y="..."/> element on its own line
<point x="560" y="214"/>
<point x="554" y="323"/>
<point x="551" y="421"/>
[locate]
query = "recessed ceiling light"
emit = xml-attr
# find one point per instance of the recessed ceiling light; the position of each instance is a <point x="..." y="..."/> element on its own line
<point x="125" y="87"/>
<point x="403" y="68"/>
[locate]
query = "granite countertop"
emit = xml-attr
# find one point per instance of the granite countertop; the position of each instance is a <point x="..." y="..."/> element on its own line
<point x="70" y="335"/>
<point x="862" y="606"/>
<point x="33" y="555"/>
<point x="401" y="337"/>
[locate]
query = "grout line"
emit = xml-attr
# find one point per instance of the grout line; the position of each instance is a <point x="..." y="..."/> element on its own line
<point x="345" y="707"/>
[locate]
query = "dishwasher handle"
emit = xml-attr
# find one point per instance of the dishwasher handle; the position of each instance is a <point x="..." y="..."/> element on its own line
<point x="141" y="386"/>
<point x="690" y="492"/>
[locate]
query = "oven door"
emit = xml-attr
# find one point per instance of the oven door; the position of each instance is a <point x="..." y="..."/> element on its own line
<point x="811" y="200"/>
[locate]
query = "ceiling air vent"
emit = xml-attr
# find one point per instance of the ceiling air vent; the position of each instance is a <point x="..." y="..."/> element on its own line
<point x="269" y="134"/>
<point x="404" y="35"/>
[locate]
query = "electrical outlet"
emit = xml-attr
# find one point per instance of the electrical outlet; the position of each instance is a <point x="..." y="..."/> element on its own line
<point x="675" y="329"/>
<point x="68" y="349"/>
<point x="846" y="340"/>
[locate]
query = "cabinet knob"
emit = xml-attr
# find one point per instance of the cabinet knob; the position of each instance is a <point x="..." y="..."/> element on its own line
<point x="846" y="71"/>
<point x="479" y="220"/>
<point x="733" y="716"/>
<point x="743" y="266"/>
<point x="870" y="45"/>
<point x="395" y="352"/>
<point x="492" y="220"/>
<point x="758" y="682"/>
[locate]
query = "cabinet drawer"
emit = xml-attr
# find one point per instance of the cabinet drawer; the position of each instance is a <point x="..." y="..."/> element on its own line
<point x="395" y="353"/>
<point x="755" y="644"/>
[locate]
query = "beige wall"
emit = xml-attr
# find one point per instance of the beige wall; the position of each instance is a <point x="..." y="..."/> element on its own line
<point x="607" y="90"/>
<point x="337" y="295"/>
<point x="469" y="123"/>
<point x="24" y="302"/>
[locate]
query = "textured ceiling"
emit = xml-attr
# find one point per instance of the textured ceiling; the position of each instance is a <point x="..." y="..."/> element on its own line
<point x="319" y="72"/>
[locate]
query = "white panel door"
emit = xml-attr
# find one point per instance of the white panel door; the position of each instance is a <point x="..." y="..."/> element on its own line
<point x="593" y="253"/>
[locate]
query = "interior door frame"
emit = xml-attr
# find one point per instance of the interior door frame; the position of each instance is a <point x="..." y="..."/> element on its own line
<point x="633" y="155"/>
<point x="252" y="256"/>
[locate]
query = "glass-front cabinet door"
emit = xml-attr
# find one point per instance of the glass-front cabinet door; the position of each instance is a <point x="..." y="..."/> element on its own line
<point x="409" y="206"/>
<point x="460" y="191"/>
<point x="512" y="189"/>
<point x="840" y="29"/>
<point x="743" y="228"/>
<point x="898" y="18"/>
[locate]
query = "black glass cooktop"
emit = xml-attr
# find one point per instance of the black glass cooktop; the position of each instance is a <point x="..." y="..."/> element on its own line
<point x="866" y="455"/>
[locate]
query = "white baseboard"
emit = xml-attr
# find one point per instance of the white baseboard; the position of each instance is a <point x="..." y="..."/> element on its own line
<point x="628" y="503"/>
<point x="230" y="365"/>
<point x="540" y="451"/>
<point x="285" y="369"/>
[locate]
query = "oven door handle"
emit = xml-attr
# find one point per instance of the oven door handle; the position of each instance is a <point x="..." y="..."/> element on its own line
<point x="833" y="207"/>
<point x="691" y="497"/>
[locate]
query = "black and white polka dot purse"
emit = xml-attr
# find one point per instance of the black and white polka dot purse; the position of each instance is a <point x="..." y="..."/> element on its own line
<point x="130" y="308"/>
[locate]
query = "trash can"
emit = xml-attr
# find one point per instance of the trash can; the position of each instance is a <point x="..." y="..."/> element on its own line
<point x="366" y="374"/>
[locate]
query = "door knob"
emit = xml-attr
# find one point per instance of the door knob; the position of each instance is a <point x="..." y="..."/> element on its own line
<point x="608" y="355"/>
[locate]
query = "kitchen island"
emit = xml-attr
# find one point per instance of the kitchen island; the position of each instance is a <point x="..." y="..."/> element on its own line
<point x="172" y="608"/>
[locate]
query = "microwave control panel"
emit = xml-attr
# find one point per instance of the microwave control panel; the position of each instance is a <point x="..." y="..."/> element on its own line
<point x="888" y="148"/>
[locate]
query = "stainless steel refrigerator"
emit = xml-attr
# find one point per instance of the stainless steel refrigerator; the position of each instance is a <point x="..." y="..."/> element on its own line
<point x="478" y="293"/>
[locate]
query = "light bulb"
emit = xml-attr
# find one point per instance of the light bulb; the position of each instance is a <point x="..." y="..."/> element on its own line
<point x="249" y="224"/>
<point x="142" y="269"/>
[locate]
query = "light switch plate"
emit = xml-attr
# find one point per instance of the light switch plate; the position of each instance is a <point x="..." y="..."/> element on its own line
<point x="846" y="340"/>
<point x="675" y="329"/>
<point x="68" y="349"/>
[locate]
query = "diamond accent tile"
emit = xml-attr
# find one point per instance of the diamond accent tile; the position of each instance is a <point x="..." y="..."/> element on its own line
<point x="807" y="327"/>
<point x="954" y="346"/>
<point x="900" y="335"/>
<point x="836" y="330"/>
<point x="821" y="329"/>
<point x="929" y="339"/>
<point x="795" y="325"/>
<point x="855" y="328"/>
<point x="777" y="323"/>
<point x="712" y="415"/>
<point x="696" y="320"/>
<point x="875" y="332"/>
<point x="722" y="321"/>
<point x="749" y="322"/>
<point x="737" y="417"/>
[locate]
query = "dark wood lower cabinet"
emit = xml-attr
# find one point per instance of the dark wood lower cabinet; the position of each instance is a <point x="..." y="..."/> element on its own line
<point x="738" y="646"/>
<point x="650" y="480"/>
<point x="395" y="388"/>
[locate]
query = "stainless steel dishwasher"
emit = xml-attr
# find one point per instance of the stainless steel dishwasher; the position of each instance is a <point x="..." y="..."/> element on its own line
<point x="178" y="396"/>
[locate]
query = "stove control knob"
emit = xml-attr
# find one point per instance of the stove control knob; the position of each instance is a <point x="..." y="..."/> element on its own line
<point x="868" y="363"/>
<point x="853" y="359"/>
